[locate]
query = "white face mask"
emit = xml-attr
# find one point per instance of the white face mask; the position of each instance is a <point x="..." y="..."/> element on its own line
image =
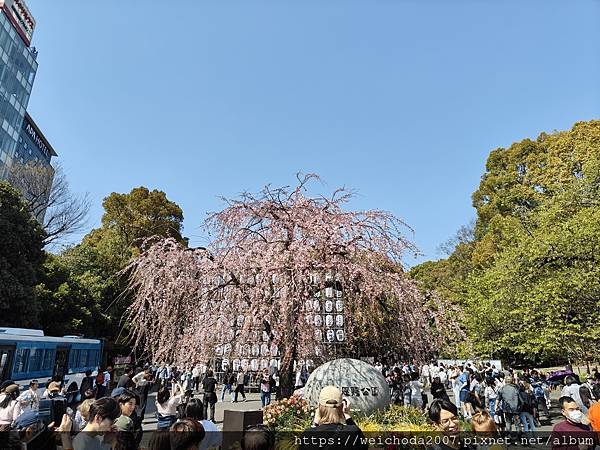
<point x="575" y="416"/>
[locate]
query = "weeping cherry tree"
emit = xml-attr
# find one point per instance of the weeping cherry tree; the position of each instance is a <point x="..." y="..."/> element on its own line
<point x="272" y="257"/>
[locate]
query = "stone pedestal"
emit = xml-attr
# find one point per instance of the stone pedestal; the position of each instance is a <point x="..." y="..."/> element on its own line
<point x="361" y="384"/>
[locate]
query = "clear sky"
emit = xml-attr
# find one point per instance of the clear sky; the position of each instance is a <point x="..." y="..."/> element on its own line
<point x="399" y="100"/>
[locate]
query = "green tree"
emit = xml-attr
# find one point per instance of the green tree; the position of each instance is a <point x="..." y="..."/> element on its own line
<point x="82" y="287"/>
<point x="142" y="213"/>
<point x="21" y="257"/>
<point x="540" y="300"/>
<point x="518" y="179"/>
<point x="128" y="220"/>
<point x="71" y="296"/>
<point x="447" y="276"/>
<point x="528" y="278"/>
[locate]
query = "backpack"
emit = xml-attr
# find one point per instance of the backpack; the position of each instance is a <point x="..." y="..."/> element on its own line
<point x="525" y="402"/>
<point x="538" y="391"/>
<point x="100" y="378"/>
<point x="591" y="393"/>
<point x="507" y="407"/>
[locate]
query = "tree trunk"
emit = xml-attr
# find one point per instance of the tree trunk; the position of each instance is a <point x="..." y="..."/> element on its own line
<point x="287" y="381"/>
<point x="287" y="376"/>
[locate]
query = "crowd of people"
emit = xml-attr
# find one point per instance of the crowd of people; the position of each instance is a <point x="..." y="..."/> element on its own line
<point x="108" y="410"/>
<point x="502" y="400"/>
<point x="122" y="401"/>
<point x="573" y="432"/>
<point x="105" y="406"/>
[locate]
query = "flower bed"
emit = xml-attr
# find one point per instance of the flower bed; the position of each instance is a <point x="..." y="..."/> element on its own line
<point x="288" y="414"/>
<point x="394" y="419"/>
<point x="293" y="415"/>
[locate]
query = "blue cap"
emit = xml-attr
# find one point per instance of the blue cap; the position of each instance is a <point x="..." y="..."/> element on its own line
<point x="117" y="391"/>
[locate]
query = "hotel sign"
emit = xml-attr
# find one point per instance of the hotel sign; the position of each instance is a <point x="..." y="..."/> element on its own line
<point x="37" y="139"/>
<point x="21" y="18"/>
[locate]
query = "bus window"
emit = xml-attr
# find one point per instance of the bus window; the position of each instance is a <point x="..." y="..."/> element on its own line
<point x="93" y="358"/>
<point x="61" y="362"/>
<point x="82" y="358"/>
<point x="90" y="358"/>
<point x="22" y="360"/>
<point x="36" y="359"/>
<point x="5" y="360"/>
<point x="74" y="358"/>
<point x="48" y="359"/>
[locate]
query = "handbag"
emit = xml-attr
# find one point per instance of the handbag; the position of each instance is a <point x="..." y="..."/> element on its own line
<point x="499" y="418"/>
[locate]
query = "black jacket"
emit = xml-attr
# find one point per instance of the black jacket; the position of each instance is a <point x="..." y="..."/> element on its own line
<point x="527" y="402"/>
<point x="209" y="385"/>
<point x="438" y="390"/>
<point x="337" y="436"/>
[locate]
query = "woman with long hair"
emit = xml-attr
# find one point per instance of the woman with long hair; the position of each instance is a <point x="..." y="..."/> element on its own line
<point x="166" y="405"/>
<point x="474" y="396"/>
<point x="160" y="440"/>
<point x="527" y="412"/>
<point x="186" y="434"/>
<point x="10" y="407"/>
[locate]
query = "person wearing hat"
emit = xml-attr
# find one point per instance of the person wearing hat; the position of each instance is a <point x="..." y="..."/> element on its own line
<point x="10" y="407"/>
<point x="332" y="428"/>
<point x="5" y="384"/>
<point x="52" y="390"/>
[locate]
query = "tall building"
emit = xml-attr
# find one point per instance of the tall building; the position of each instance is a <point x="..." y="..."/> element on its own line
<point x="33" y="149"/>
<point x="21" y="140"/>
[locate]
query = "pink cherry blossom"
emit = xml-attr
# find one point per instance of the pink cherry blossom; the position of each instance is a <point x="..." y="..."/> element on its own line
<point x="269" y="253"/>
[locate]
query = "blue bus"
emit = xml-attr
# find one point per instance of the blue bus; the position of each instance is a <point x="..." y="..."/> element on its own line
<point x="27" y="355"/>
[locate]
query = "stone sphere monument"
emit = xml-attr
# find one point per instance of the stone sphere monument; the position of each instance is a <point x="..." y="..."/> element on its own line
<point x="361" y="384"/>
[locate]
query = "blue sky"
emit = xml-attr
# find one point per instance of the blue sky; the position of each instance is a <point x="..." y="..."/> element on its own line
<point x="399" y="100"/>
